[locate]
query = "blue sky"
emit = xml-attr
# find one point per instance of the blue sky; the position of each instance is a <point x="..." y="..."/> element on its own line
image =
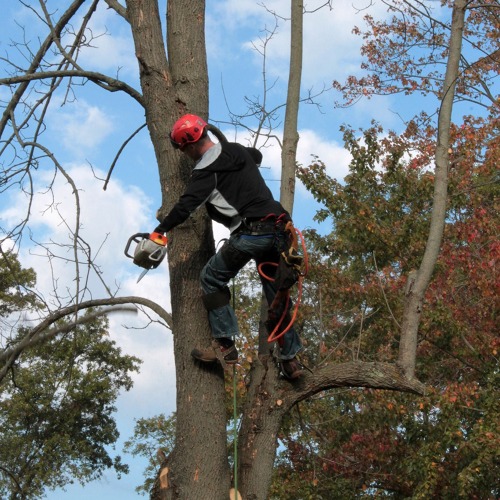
<point x="89" y="130"/>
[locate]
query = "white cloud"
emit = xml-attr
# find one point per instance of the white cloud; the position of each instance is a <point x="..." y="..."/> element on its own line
<point x="80" y="126"/>
<point x="332" y="154"/>
<point x="154" y="346"/>
<point x="112" y="50"/>
<point x="108" y="218"/>
<point x="330" y="49"/>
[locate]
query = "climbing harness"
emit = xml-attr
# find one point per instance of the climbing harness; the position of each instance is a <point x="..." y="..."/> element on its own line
<point x="291" y="269"/>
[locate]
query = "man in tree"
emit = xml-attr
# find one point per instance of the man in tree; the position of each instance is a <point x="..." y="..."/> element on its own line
<point x="227" y="180"/>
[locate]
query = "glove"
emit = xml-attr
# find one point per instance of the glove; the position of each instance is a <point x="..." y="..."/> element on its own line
<point x="160" y="229"/>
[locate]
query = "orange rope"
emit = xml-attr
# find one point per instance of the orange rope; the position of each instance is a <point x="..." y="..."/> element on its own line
<point x="273" y="336"/>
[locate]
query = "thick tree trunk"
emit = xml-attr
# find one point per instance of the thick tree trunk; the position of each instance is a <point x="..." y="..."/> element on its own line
<point x="417" y="287"/>
<point x="260" y="424"/>
<point x="197" y="467"/>
<point x="270" y="398"/>
<point x="199" y="461"/>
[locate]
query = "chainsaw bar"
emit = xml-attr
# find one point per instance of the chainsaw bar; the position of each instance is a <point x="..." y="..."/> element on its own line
<point x="142" y="275"/>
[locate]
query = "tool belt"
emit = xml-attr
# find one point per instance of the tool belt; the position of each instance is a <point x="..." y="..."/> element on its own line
<point x="264" y="225"/>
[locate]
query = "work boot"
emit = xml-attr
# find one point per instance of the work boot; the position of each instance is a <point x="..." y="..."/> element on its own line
<point x="291" y="369"/>
<point x="217" y="352"/>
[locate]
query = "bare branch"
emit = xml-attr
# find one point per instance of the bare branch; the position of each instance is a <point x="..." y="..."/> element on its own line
<point x="106" y="82"/>
<point x="122" y="147"/>
<point x="37" y="58"/>
<point x="51" y="333"/>
<point x="118" y="7"/>
<point x="11" y="354"/>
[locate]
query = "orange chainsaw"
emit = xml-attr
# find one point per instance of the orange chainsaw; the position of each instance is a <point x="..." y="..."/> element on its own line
<point x="149" y="252"/>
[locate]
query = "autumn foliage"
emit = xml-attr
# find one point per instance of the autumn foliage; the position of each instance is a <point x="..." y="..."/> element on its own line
<point x="365" y="443"/>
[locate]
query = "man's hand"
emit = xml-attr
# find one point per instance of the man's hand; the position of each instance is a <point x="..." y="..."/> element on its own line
<point x="158" y="215"/>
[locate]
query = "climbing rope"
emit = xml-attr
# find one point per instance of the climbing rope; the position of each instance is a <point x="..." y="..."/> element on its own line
<point x="300" y="266"/>
<point x="235" y="419"/>
<point x="235" y="432"/>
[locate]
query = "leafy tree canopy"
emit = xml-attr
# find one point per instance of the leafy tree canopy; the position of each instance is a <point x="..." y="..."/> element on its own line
<point x="153" y="439"/>
<point x="445" y="444"/>
<point x="57" y="402"/>
<point x="14" y="284"/>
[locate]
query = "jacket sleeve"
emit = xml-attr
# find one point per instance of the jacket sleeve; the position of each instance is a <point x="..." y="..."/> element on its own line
<point x="200" y="187"/>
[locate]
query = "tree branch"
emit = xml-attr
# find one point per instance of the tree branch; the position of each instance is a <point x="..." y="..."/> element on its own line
<point x="32" y="337"/>
<point x="104" y="81"/>
<point x="352" y="374"/>
<point x="37" y="59"/>
<point x="108" y="177"/>
<point x="119" y="8"/>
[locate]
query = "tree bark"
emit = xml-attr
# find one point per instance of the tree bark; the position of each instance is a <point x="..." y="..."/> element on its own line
<point x="269" y="398"/>
<point x="416" y="290"/>
<point x="172" y="88"/>
<point x="290" y="131"/>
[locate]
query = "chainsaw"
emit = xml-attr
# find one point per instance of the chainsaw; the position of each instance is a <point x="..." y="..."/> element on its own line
<point x="149" y="252"/>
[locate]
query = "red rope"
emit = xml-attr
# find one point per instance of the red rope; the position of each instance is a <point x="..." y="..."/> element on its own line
<point x="274" y="335"/>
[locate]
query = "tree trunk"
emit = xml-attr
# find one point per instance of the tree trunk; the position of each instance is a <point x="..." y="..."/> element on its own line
<point x="416" y="288"/>
<point x="269" y="398"/>
<point x="260" y="422"/>
<point x="170" y="89"/>
<point x="290" y="131"/>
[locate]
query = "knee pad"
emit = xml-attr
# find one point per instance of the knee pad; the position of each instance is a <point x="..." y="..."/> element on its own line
<point x="217" y="299"/>
<point x="234" y="258"/>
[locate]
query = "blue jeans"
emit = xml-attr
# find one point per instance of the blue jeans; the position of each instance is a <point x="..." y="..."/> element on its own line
<point x="236" y="252"/>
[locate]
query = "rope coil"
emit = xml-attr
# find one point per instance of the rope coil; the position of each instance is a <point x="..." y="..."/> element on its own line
<point x="300" y="266"/>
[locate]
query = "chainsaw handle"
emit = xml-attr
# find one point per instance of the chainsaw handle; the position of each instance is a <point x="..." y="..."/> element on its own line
<point x="158" y="238"/>
<point x="136" y="238"/>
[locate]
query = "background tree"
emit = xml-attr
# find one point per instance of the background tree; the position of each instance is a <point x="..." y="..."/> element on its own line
<point x="54" y="429"/>
<point x="440" y="444"/>
<point x="14" y="283"/>
<point x="153" y="438"/>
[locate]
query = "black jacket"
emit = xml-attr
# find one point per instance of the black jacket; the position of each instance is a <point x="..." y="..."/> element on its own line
<point x="228" y="181"/>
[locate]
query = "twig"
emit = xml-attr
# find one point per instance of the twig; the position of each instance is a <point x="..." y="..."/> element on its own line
<point x="383" y="293"/>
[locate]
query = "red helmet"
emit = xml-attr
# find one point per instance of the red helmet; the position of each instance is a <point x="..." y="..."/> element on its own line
<point x="187" y="129"/>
